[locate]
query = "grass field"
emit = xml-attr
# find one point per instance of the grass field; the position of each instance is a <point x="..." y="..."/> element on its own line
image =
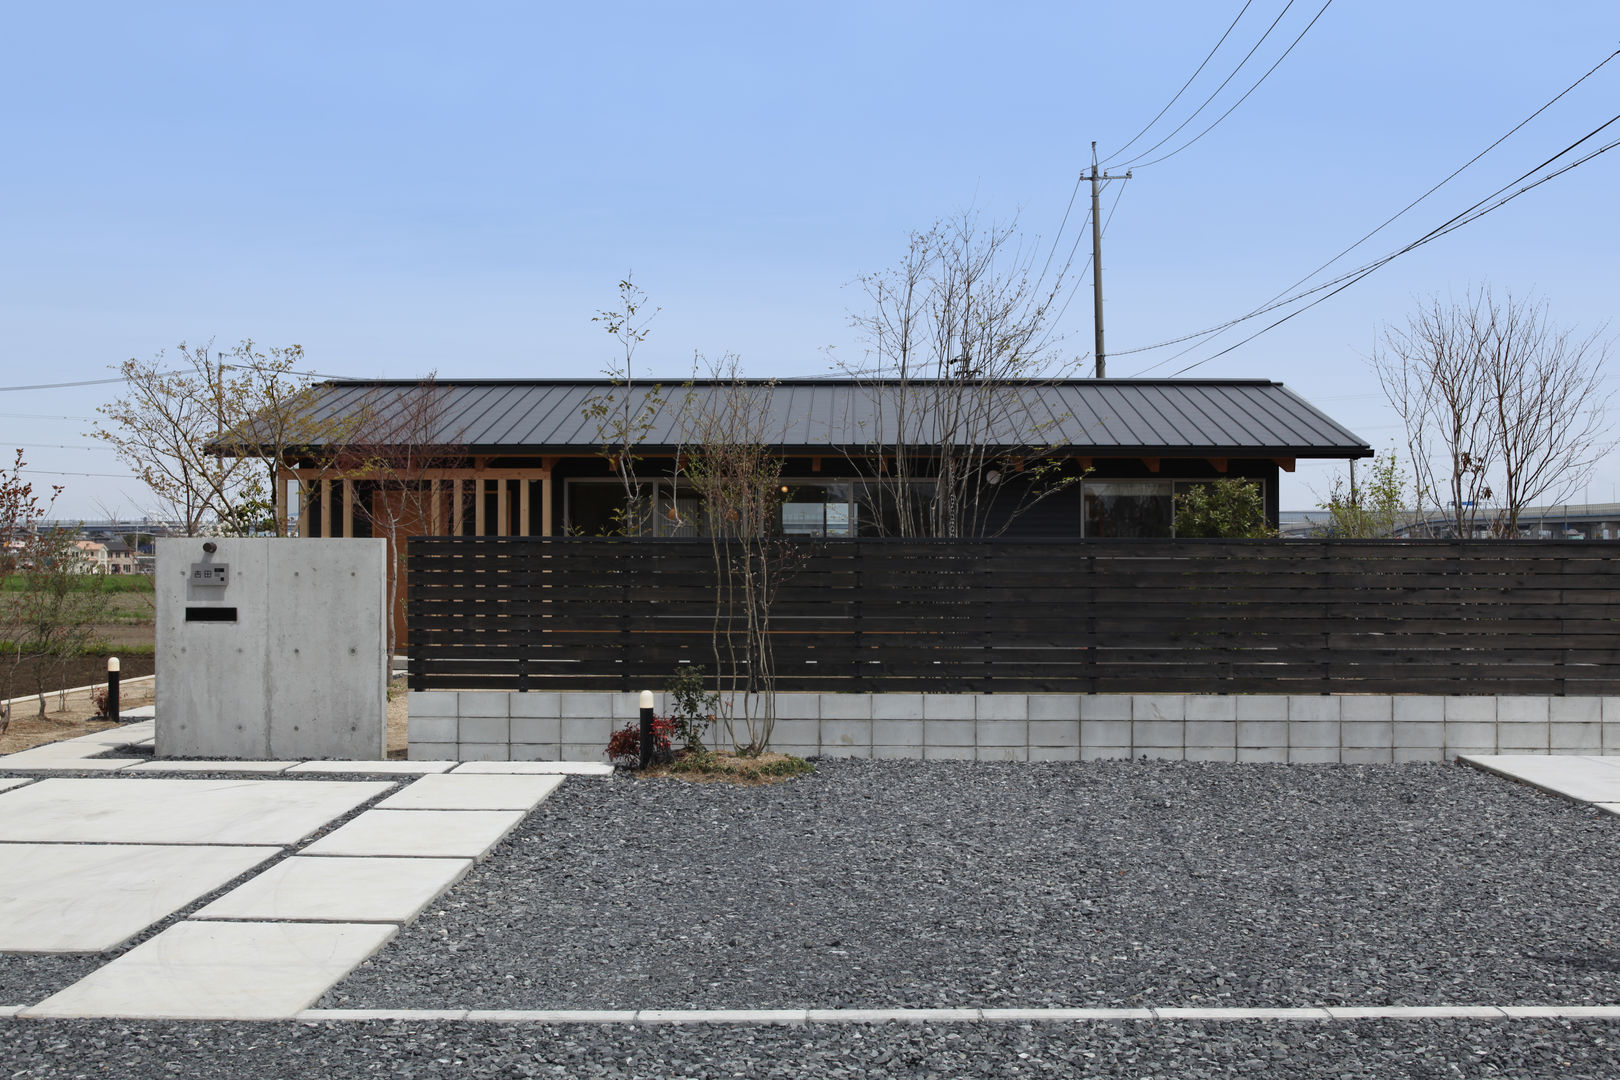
<point x="128" y="622"/>
<point x="113" y="583"/>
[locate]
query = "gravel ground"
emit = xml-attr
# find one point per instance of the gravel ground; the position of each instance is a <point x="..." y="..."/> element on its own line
<point x="899" y="883"/>
<point x="1345" y="1051"/>
<point x="26" y="979"/>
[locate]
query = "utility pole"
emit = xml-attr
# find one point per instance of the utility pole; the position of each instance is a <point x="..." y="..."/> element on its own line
<point x="1097" y="178"/>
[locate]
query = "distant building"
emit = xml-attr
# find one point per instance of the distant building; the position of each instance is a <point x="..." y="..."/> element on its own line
<point x="92" y="557"/>
<point x="120" y="558"/>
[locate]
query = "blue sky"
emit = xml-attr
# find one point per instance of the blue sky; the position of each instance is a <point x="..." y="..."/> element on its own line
<point x="409" y="187"/>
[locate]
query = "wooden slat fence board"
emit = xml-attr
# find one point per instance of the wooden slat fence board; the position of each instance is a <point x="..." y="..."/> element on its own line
<point x="1103" y="616"/>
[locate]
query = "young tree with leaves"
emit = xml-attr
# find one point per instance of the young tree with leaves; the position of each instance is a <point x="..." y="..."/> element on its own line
<point x="1228" y="508"/>
<point x="207" y="430"/>
<point x="20" y="512"/>
<point x="1374" y="509"/>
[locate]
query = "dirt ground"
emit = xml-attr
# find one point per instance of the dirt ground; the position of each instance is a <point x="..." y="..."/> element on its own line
<point x="28" y="729"/>
<point x="79" y="719"/>
<point x="398" y="700"/>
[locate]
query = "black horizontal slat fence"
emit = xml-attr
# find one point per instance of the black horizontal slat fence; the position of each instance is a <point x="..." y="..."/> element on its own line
<point x="1077" y="616"/>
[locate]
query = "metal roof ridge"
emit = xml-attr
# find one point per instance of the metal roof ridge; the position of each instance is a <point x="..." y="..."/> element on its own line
<point x="788" y="380"/>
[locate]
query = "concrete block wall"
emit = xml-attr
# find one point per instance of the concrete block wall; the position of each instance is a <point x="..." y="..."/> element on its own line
<point x="1353" y="729"/>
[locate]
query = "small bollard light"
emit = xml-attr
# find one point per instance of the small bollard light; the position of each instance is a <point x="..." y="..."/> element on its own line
<point x="646" y="728"/>
<point x="112" y="688"/>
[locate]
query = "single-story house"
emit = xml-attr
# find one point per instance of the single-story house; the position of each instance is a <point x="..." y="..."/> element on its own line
<point x="530" y="457"/>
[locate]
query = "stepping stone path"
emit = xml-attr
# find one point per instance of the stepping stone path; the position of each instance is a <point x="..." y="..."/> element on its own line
<point x="1594" y="780"/>
<point x="274" y="944"/>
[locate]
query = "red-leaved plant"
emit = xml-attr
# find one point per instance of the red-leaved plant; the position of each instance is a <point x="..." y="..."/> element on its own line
<point x="624" y="747"/>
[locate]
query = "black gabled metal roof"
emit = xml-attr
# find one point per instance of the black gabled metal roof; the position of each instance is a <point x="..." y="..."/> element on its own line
<point x="1163" y="417"/>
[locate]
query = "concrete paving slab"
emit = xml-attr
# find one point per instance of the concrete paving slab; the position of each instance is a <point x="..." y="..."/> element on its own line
<point x="190" y="765"/>
<point x="374" y="768"/>
<point x="64" y="756"/>
<point x="334" y="889"/>
<point x="1036" y="1015"/>
<point x="122" y="735"/>
<point x="459" y="834"/>
<point x="552" y="1016"/>
<point x="1414" y="1012"/>
<point x="74" y="898"/>
<point x="151" y="810"/>
<point x="221" y="971"/>
<point x="538" y="768"/>
<point x="1608" y="807"/>
<point x="1222" y="1013"/>
<point x="115" y="736"/>
<point x="139" y="712"/>
<point x="473" y="791"/>
<point x="722" y="1016"/>
<point x="315" y="1016"/>
<point x="1584" y="779"/>
<point x="7" y="782"/>
<point x="1563" y="1012"/>
<point x="890" y="1016"/>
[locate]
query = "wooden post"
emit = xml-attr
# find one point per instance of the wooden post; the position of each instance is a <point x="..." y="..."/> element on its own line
<point x="283" y="486"/>
<point x="348" y="508"/>
<point x="523" y="506"/>
<point x="326" y="506"/>
<point x="434" y="508"/>
<point x="503" y="515"/>
<point x="545" y="496"/>
<point x="478" y="506"/>
<point x="455" y="507"/>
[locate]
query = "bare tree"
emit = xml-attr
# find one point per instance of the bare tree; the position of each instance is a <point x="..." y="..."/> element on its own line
<point x="960" y="344"/>
<point x="1500" y="408"/>
<point x="623" y="415"/>
<point x="1548" y="405"/>
<point x="732" y="469"/>
<point x="398" y="446"/>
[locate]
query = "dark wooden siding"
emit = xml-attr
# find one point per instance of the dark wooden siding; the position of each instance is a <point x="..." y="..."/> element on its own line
<point x="1441" y="617"/>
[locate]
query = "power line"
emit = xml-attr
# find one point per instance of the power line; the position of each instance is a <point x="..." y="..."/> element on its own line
<point x="1218" y="89"/>
<point x="62" y="385"/>
<point x="1467" y="217"/>
<point x="1177" y="98"/>
<point x="44" y="416"/>
<point x="49" y="472"/>
<point x="167" y="374"/>
<point x="65" y="446"/>
<point x="1241" y="100"/>
<point x="1274" y="303"/>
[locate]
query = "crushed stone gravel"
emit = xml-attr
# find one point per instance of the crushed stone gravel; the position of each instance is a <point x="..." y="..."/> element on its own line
<point x="1390" y="1050"/>
<point x="938" y="884"/>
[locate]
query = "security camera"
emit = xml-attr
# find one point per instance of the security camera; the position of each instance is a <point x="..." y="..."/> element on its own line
<point x="210" y="547"/>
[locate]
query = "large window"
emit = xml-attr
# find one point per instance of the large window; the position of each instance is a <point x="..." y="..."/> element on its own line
<point x="1127" y="508"/>
<point x="818" y="510"/>
<point x="596" y="508"/>
<point x="1131" y="508"/>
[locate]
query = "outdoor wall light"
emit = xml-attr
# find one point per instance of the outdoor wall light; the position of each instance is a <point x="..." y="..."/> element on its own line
<point x="210" y="547"/>
<point x="993" y="477"/>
